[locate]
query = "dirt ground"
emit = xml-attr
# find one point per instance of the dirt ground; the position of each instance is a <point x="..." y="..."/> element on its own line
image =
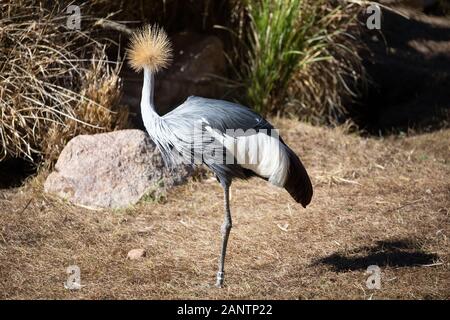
<point x="378" y="201"/>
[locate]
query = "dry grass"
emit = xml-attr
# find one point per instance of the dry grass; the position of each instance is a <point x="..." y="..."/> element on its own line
<point x="99" y="111"/>
<point x="382" y="202"/>
<point x="332" y="75"/>
<point x="55" y="82"/>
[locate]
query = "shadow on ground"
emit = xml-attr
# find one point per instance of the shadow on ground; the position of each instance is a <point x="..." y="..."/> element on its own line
<point x="398" y="253"/>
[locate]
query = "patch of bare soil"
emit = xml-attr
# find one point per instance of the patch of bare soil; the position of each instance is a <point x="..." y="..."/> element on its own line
<point x="377" y="201"/>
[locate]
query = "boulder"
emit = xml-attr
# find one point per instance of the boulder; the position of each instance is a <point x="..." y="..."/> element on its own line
<point x="112" y="170"/>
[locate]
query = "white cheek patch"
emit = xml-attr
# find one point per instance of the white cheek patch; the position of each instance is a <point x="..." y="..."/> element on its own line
<point x="263" y="154"/>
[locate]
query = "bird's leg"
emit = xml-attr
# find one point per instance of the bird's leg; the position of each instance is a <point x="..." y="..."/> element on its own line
<point x="225" y="229"/>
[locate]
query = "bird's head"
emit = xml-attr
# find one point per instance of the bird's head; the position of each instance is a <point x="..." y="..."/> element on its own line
<point x="149" y="48"/>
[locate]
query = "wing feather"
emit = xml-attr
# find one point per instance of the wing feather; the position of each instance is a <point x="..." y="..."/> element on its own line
<point x="222" y="115"/>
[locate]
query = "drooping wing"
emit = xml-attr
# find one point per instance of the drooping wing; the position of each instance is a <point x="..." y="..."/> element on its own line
<point x="222" y="116"/>
<point x="211" y="119"/>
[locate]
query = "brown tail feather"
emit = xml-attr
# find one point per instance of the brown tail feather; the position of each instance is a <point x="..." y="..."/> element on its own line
<point x="298" y="183"/>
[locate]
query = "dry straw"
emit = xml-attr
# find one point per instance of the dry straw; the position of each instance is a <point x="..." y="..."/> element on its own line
<point x="55" y="82"/>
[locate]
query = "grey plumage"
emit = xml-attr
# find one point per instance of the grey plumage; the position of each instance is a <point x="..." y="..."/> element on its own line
<point x="219" y="115"/>
<point x="222" y="115"/>
<point x="198" y="132"/>
<point x="175" y="132"/>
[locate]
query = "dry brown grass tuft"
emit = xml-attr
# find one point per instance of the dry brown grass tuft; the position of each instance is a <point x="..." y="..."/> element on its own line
<point x="320" y="91"/>
<point x="377" y="201"/>
<point x="98" y="111"/>
<point x="54" y="81"/>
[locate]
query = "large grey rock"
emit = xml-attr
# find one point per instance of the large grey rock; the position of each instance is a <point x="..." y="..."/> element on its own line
<point x="111" y="170"/>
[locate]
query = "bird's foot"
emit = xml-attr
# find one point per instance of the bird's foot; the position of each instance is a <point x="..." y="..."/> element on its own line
<point x="219" y="281"/>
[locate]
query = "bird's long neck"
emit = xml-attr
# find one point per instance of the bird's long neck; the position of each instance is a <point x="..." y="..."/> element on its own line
<point x="149" y="115"/>
<point x="153" y="123"/>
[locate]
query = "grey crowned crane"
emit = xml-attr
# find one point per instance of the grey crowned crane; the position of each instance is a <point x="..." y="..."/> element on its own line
<point x="231" y="140"/>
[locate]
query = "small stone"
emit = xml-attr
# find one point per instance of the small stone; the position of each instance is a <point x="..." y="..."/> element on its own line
<point x="136" y="254"/>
